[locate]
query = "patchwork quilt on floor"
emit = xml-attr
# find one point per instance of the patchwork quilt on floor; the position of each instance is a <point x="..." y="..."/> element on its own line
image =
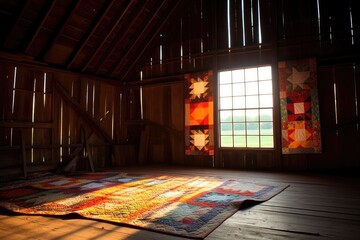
<point x="180" y="205"/>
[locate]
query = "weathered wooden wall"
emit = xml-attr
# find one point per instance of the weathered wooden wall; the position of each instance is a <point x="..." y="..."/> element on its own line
<point x="42" y="112"/>
<point x="142" y="122"/>
<point x="289" y="30"/>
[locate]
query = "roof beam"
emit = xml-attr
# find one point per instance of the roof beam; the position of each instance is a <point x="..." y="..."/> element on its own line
<point x="150" y="41"/>
<point x="47" y="11"/>
<point x="150" y="23"/>
<point x="123" y="35"/>
<point x="12" y="26"/>
<point x="60" y="27"/>
<point x="99" y="18"/>
<point x="119" y="18"/>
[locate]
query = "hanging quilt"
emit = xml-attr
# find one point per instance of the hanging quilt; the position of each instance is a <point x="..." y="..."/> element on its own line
<point x="199" y="111"/>
<point x="300" y="120"/>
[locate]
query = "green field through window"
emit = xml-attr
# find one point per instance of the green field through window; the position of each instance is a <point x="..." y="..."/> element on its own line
<point x="246" y="108"/>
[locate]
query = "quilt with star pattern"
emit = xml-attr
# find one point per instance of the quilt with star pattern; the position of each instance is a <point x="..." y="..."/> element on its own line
<point x="199" y="111"/>
<point x="188" y="206"/>
<point x="299" y="104"/>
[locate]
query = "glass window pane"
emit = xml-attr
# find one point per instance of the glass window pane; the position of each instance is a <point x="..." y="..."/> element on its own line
<point x="266" y="114"/>
<point x="266" y="128"/>
<point x="239" y="102"/>
<point x="225" y="77"/>
<point x="225" y="90"/>
<point x="239" y="141"/>
<point x="265" y="87"/>
<point x="267" y="141"/>
<point x="238" y="76"/>
<point x="265" y="73"/>
<point x="266" y="101"/>
<point x="252" y="101"/>
<point x="238" y="89"/>
<point x="252" y="128"/>
<point x="225" y="116"/>
<point x="253" y="141"/>
<point x="252" y="88"/>
<point x="239" y="115"/>
<point x="226" y="141"/>
<point x="252" y="115"/>
<point x="247" y="97"/>
<point x="226" y="129"/>
<point x="226" y="103"/>
<point x="239" y="129"/>
<point x="251" y="74"/>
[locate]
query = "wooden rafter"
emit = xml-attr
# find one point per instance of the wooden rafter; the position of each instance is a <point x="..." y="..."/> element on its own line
<point x="13" y="25"/>
<point x="144" y="48"/>
<point x="97" y="49"/>
<point x="59" y="29"/>
<point x="122" y="36"/>
<point x="136" y="42"/>
<point x="100" y="17"/>
<point x="47" y="12"/>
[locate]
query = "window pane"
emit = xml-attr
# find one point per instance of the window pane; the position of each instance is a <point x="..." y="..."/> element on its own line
<point x="266" y="114"/>
<point x="252" y="115"/>
<point x="252" y="88"/>
<point x="226" y="129"/>
<point x="225" y="77"/>
<point x="239" y="141"/>
<point x="238" y="89"/>
<point x="252" y="101"/>
<point x="265" y="87"/>
<point x="266" y="101"/>
<point x="226" y="103"/>
<point x="265" y="73"/>
<point x="239" y="102"/>
<point x="250" y="74"/>
<point x="246" y="108"/>
<point x="226" y="141"/>
<point x="253" y="141"/>
<point x="225" y="116"/>
<point x="252" y="128"/>
<point x="225" y="90"/>
<point x="239" y="116"/>
<point x="267" y="141"/>
<point x="239" y="128"/>
<point x="266" y="128"/>
<point x="238" y="76"/>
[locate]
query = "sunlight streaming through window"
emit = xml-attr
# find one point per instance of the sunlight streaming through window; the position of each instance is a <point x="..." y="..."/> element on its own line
<point x="246" y="108"/>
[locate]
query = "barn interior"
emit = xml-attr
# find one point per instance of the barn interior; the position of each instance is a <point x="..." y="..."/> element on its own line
<point x="106" y="85"/>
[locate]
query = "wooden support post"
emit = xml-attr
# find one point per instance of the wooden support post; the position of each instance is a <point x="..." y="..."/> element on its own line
<point x="87" y="148"/>
<point x="23" y="149"/>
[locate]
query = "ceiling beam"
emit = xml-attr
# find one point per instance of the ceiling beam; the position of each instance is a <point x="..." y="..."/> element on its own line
<point x="47" y="9"/>
<point x="151" y="40"/>
<point x="12" y="26"/>
<point x="30" y="63"/>
<point x="150" y="23"/>
<point x="96" y="23"/>
<point x="123" y="35"/>
<point x="116" y="22"/>
<point x="59" y="29"/>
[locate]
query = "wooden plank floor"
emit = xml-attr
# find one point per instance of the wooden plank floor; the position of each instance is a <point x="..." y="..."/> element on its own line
<point x="312" y="207"/>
